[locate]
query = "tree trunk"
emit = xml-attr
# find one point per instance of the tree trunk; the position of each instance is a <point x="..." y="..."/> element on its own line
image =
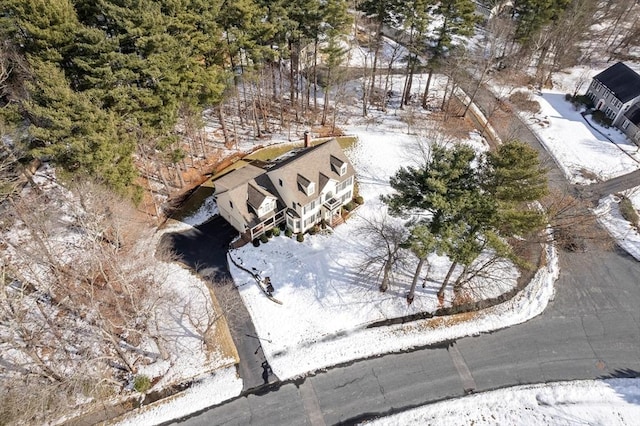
<point x="416" y="275"/>
<point x="425" y="95"/>
<point x="292" y="73"/>
<point x="444" y="98"/>
<point x="446" y="280"/>
<point x="325" y="107"/>
<point x="457" y="285"/>
<point x="384" y="285"/>
<point x="223" y="124"/>
<point x="315" y="74"/>
<point x="376" y="52"/>
<point x="406" y="94"/>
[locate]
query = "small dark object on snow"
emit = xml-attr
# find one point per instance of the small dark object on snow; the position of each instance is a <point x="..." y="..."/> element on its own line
<point x="270" y="288"/>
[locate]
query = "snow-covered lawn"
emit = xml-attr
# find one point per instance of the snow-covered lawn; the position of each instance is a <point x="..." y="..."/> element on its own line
<point x="589" y="402"/>
<point x="180" y="323"/>
<point x="583" y="153"/>
<point x="326" y="302"/>
<point x="211" y="390"/>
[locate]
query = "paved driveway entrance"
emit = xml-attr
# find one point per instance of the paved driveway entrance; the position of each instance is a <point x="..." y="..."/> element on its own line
<point x="204" y="249"/>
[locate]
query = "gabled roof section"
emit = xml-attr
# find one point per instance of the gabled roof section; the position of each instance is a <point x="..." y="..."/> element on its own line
<point x="237" y="178"/>
<point x="314" y="165"/>
<point x="621" y="80"/>
<point x="336" y="163"/>
<point x="302" y="181"/>
<point x="322" y="181"/>
<point x="256" y="195"/>
<point x="633" y="115"/>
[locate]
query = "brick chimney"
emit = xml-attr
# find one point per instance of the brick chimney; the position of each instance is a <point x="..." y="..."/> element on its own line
<point x="307" y="139"/>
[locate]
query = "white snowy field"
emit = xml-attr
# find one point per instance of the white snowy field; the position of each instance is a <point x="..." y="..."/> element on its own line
<point x="583" y="153"/>
<point x="588" y="402"/>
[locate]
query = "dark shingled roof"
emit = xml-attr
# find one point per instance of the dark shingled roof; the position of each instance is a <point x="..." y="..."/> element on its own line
<point x="621" y="80"/>
<point x="633" y="115"/>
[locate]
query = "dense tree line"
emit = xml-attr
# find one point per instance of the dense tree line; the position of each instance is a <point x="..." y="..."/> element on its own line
<point x="97" y="81"/>
<point x="101" y="85"/>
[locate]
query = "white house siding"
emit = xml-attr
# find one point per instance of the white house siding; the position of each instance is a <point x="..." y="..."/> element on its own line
<point x="311" y="214"/>
<point x="268" y="205"/>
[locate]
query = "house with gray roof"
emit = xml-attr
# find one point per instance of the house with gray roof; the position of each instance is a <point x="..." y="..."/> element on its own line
<point x="299" y="190"/>
<point x="616" y="91"/>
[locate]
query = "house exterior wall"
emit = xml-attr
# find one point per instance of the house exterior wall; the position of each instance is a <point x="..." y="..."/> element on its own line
<point x="316" y="210"/>
<point x="229" y="213"/>
<point x="606" y="101"/>
<point x="267" y="206"/>
<point x="313" y="212"/>
<point x="631" y="130"/>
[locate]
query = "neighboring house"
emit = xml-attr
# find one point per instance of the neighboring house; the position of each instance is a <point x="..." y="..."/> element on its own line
<point x="615" y="91"/>
<point x="299" y="189"/>
<point x="630" y="124"/>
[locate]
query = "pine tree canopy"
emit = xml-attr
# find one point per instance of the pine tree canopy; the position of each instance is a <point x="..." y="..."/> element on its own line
<point x="466" y="201"/>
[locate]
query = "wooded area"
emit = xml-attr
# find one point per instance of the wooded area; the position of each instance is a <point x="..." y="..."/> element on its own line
<point x="116" y="89"/>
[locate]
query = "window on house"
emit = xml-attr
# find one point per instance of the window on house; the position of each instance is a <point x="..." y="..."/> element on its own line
<point x="280" y="182"/>
<point x="343" y="169"/>
<point x="312" y="205"/>
<point x="625" y="124"/>
<point x="608" y="112"/>
<point x="311" y="188"/>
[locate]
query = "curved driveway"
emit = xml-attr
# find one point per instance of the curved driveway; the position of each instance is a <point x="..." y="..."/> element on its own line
<point x="591" y="330"/>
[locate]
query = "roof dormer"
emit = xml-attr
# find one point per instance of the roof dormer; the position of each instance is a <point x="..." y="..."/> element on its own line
<point x="305" y="185"/>
<point x="338" y="166"/>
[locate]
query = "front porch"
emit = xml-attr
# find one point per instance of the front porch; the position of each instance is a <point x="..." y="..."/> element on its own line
<point x="331" y="212"/>
<point x="265" y="225"/>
